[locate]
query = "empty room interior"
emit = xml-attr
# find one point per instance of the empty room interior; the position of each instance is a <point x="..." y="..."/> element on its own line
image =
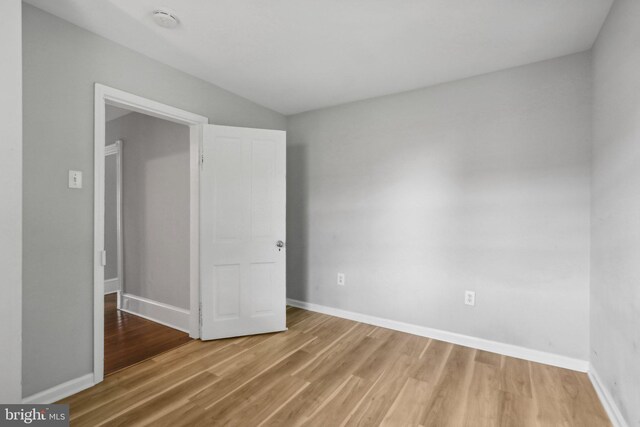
<point x="338" y="213"/>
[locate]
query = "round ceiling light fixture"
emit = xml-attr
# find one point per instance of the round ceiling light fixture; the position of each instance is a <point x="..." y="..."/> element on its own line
<point x="166" y="18"/>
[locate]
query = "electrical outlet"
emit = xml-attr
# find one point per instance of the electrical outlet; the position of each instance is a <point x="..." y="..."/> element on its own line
<point x="470" y="298"/>
<point x="341" y="279"/>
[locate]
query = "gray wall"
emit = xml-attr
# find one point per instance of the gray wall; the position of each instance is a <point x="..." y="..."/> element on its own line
<point x="155" y="208"/>
<point x="61" y="64"/>
<point x="11" y="205"/>
<point x="480" y="184"/>
<point x="615" y="250"/>
<point x="110" y="214"/>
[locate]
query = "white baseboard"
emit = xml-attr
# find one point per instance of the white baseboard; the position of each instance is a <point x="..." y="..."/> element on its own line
<point x="165" y="314"/>
<point x="111" y="286"/>
<point x="607" y="400"/>
<point x="61" y="391"/>
<point x="452" y="337"/>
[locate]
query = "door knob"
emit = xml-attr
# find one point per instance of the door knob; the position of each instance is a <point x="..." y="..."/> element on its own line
<point x="280" y="244"/>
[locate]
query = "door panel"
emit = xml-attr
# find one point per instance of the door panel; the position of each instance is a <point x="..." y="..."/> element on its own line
<point x="242" y="217"/>
<point x="262" y="183"/>
<point x="263" y="301"/>
<point x="227" y="295"/>
<point x="228" y="185"/>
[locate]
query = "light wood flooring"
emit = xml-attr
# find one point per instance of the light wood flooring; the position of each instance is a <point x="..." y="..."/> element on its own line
<point x="129" y="339"/>
<point x="326" y="371"/>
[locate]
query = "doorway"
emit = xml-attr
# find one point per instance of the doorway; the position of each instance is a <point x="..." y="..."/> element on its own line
<point x="146" y="237"/>
<point x="106" y="96"/>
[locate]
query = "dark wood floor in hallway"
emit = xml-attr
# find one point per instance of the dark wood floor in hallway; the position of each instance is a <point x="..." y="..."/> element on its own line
<point x="327" y="371"/>
<point x="130" y="339"/>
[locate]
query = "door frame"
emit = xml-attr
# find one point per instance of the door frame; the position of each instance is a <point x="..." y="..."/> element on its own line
<point x="105" y="95"/>
<point x="115" y="149"/>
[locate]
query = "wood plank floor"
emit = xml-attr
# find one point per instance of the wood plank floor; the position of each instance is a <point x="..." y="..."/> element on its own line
<point x="326" y="371"/>
<point x="130" y="339"/>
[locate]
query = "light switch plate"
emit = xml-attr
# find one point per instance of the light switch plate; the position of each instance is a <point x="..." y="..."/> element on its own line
<point x="75" y="179"/>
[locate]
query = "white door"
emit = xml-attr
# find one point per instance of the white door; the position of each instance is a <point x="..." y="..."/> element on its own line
<point x="242" y="231"/>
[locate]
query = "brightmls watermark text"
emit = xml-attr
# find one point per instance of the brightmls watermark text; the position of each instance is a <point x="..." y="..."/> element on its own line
<point x="34" y="415"/>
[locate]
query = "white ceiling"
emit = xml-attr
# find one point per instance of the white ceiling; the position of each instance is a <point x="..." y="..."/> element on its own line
<point x="298" y="55"/>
